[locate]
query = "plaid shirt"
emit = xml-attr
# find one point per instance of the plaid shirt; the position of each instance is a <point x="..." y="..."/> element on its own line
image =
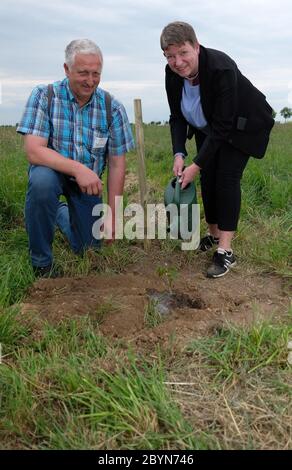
<point x="81" y="134"/>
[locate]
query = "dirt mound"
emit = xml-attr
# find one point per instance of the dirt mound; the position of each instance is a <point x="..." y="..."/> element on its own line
<point x="191" y="307"/>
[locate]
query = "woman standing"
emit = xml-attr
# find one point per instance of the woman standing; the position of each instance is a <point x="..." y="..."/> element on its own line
<point x="231" y="120"/>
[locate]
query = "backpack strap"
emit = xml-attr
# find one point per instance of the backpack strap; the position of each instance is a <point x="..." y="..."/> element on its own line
<point x="108" y="107"/>
<point x="50" y="97"/>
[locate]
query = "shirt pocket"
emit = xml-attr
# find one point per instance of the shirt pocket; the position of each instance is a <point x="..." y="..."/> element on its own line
<point x="98" y="149"/>
<point x="99" y="140"/>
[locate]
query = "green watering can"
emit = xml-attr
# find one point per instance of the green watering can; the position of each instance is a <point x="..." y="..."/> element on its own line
<point x="181" y="215"/>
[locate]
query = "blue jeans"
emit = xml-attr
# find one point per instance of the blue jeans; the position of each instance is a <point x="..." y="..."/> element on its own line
<point x="43" y="211"/>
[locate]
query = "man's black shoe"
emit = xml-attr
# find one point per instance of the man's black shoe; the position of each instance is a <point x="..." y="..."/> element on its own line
<point x="47" y="271"/>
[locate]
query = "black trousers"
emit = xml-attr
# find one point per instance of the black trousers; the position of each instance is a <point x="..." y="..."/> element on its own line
<point x="220" y="185"/>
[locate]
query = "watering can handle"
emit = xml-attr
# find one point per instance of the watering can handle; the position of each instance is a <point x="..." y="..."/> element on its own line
<point x="177" y="190"/>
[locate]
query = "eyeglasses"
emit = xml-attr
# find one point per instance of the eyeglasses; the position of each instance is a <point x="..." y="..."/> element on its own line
<point x="173" y="57"/>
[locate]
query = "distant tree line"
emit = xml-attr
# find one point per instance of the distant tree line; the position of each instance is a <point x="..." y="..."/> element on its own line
<point x="286" y="113"/>
<point x="8" y="125"/>
<point x="158" y="123"/>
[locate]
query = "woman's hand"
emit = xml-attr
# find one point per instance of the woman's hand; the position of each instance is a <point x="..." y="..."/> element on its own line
<point x="189" y="174"/>
<point x="178" y="165"/>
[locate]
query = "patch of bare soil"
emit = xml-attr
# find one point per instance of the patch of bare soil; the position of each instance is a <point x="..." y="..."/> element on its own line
<point x="194" y="306"/>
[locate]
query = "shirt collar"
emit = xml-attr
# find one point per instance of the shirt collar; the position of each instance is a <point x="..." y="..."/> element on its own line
<point x="70" y="94"/>
<point x="72" y="97"/>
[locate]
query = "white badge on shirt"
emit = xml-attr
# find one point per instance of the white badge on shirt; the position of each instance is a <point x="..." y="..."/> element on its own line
<point x="99" y="142"/>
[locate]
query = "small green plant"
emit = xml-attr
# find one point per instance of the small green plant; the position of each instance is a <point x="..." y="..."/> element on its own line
<point x="168" y="274"/>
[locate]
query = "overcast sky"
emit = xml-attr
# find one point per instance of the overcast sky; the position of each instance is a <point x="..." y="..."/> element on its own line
<point x="257" y="34"/>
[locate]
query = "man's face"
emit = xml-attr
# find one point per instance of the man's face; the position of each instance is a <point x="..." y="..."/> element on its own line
<point x="183" y="59"/>
<point x="84" y="76"/>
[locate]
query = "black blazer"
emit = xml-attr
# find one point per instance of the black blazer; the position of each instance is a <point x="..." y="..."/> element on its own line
<point x="235" y="110"/>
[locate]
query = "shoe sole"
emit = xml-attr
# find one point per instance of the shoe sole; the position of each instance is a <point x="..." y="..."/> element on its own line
<point x="215" y="276"/>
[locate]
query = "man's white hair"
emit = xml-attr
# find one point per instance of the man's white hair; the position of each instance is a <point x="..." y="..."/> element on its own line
<point x="81" y="46"/>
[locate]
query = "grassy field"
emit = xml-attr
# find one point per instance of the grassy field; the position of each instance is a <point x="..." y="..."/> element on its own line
<point x="69" y="387"/>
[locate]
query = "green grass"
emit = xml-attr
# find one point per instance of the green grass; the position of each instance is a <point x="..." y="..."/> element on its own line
<point x="234" y="351"/>
<point x="244" y="376"/>
<point x="12" y="331"/>
<point x="67" y="387"/>
<point x="72" y="379"/>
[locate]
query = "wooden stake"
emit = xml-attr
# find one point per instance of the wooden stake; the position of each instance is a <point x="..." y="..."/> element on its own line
<point x="141" y="163"/>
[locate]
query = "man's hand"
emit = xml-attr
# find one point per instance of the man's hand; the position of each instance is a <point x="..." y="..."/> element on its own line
<point x="39" y="154"/>
<point x="178" y="165"/>
<point x="88" y="181"/>
<point x="189" y="174"/>
<point x="109" y="229"/>
<point x="115" y="186"/>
